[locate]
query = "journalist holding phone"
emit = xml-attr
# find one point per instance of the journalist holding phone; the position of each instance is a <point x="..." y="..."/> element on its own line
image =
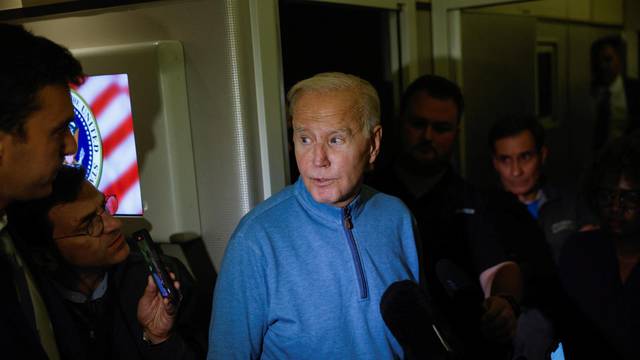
<point x="101" y="299"/>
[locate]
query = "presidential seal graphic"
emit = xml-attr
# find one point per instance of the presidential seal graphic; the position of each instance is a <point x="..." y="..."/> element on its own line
<point x="85" y="130"/>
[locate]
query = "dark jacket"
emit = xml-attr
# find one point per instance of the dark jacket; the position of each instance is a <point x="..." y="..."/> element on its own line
<point x="453" y="227"/>
<point x="632" y="94"/>
<point x="18" y="339"/>
<point x="126" y="285"/>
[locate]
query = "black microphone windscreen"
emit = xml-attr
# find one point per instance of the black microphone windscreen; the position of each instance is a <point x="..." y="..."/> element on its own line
<point x="407" y="313"/>
<point x="453" y="278"/>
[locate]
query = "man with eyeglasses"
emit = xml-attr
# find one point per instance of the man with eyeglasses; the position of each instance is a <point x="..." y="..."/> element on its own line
<point x="452" y="221"/>
<point x="102" y="302"/>
<point x="600" y="269"/>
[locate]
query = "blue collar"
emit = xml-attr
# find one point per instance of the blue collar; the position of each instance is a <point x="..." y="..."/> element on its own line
<point x="329" y="213"/>
<point x="80" y="298"/>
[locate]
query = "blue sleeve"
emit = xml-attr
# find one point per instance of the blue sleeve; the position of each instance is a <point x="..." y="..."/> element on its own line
<point x="240" y="303"/>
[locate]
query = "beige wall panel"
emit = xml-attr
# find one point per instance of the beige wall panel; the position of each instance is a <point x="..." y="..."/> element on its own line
<point x="201" y="27"/>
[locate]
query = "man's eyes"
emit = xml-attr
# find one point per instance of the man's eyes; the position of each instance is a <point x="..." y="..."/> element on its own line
<point x="334" y="140"/>
<point x="442" y="127"/>
<point x="526" y="156"/>
<point x="337" y="140"/>
<point x="419" y="124"/>
<point x="439" y="127"/>
<point x="504" y="159"/>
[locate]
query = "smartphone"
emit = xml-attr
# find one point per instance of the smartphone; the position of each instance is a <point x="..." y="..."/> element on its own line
<point x="157" y="268"/>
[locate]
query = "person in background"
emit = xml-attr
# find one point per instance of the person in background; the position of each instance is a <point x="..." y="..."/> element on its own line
<point x="35" y="112"/>
<point x="617" y="96"/>
<point x="304" y="272"/>
<point x="535" y="220"/>
<point x="518" y="155"/>
<point x="101" y="299"/>
<point x="599" y="269"/>
<point x="453" y="222"/>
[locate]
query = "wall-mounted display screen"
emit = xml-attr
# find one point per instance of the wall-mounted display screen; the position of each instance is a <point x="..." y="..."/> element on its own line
<point x="103" y="129"/>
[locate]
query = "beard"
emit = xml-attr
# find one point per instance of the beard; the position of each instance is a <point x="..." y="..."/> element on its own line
<point x="424" y="159"/>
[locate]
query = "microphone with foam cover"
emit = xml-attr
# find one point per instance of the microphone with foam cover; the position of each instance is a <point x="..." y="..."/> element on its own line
<point x="408" y="314"/>
<point x="468" y="301"/>
<point x="460" y="288"/>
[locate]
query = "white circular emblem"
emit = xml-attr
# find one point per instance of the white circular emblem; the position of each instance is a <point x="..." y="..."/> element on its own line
<point x="85" y="130"/>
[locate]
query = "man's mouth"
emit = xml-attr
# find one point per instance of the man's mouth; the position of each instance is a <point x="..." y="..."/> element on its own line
<point x="322" y="181"/>
<point x="117" y="241"/>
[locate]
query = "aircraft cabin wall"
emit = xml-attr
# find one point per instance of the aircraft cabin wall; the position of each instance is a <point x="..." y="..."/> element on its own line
<point x="228" y="184"/>
<point x="222" y="62"/>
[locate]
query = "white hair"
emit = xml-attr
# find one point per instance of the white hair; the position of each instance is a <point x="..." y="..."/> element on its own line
<point x="367" y="101"/>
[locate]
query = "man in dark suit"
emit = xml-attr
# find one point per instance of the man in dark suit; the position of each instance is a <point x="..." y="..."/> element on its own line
<point x="35" y="111"/>
<point x="617" y="96"/>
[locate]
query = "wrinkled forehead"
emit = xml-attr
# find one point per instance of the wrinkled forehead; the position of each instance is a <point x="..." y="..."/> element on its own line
<point x="333" y="109"/>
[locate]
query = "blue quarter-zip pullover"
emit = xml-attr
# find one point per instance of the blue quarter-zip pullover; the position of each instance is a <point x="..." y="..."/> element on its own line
<point x="303" y="280"/>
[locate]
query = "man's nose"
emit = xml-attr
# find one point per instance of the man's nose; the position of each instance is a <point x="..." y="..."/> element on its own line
<point x="616" y="203"/>
<point x="320" y="158"/>
<point x="516" y="168"/>
<point x="69" y="145"/>
<point x="111" y="223"/>
<point x="428" y="133"/>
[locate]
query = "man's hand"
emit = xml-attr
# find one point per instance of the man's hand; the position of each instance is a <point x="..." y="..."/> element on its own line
<point x="499" y="321"/>
<point x="155" y="313"/>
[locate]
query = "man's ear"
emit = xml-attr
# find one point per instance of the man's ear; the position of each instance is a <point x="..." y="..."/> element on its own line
<point x="544" y="151"/>
<point x="4" y="137"/>
<point x="494" y="161"/>
<point x="374" y="146"/>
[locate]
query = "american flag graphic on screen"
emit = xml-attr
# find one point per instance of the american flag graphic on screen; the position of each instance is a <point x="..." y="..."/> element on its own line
<point x="103" y="128"/>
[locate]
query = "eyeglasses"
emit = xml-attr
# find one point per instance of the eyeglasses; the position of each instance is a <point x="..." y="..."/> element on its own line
<point x="95" y="227"/>
<point x="627" y="199"/>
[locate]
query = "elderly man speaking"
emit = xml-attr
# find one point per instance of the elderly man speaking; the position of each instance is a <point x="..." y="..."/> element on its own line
<point x="304" y="271"/>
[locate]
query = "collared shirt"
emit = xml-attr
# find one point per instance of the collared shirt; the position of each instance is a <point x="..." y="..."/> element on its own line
<point x="535" y="205"/>
<point x="80" y="298"/>
<point x="43" y="322"/>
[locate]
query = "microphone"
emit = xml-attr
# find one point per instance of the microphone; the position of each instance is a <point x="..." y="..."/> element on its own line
<point x="467" y="302"/>
<point x="406" y="311"/>
<point x="460" y="288"/>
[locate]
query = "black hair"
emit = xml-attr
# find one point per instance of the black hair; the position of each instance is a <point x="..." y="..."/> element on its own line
<point x="29" y="220"/>
<point x="513" y="125"/>
<point x="436" y="87"/>
<point x="28" y="64"/>
<point x="617" y="43"/>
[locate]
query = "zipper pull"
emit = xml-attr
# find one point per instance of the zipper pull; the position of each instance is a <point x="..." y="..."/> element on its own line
<point x="347" y="219"/>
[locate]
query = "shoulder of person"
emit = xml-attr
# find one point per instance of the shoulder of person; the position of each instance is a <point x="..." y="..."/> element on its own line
<point x="273" y="207"/>
<point x="582" y="244"/>
<point x="380" y="200"/>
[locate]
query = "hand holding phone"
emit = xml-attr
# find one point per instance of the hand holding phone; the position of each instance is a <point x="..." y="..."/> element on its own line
<point x="157" y="269"/>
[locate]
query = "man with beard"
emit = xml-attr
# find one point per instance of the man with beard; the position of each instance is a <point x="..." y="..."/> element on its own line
<point x="466" y="271"/>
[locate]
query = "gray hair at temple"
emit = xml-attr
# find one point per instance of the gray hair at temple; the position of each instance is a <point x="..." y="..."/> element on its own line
<point x="368" y="102"/>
